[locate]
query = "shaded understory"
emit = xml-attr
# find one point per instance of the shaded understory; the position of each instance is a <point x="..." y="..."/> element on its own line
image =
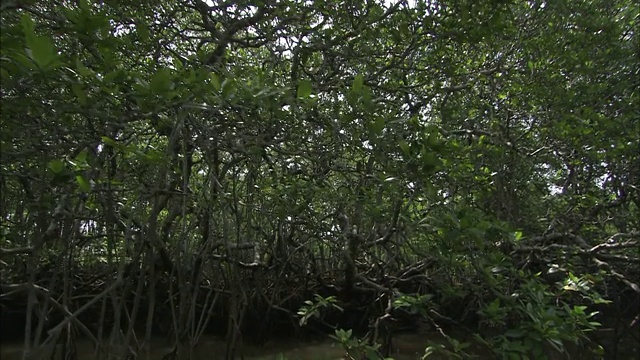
<point x="265" y="324"/>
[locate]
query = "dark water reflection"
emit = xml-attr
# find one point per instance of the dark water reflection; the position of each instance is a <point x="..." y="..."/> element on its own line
<point x="406" y="347"/>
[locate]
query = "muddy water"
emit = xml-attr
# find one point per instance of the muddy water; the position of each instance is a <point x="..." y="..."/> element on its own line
<point x="206" y="350"/>
<point x="406" y="347"/>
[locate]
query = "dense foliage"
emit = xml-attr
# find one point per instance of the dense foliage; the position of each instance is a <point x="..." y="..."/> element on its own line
<point x="475" y="163"/>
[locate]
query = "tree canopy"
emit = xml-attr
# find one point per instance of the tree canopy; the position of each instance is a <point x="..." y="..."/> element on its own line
<point x="474" y="163"/>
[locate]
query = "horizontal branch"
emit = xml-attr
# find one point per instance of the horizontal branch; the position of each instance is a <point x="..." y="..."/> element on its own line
<point x="22" y="250"/>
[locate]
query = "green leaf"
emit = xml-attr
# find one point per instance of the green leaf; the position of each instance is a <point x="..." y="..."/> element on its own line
<point x="108" y="141"/>
<point x="434" y="139"/>
<point x="81" y="158"/>
<point x="56" y="166"/>
<point x="405" y="147"/>
<point x="41" y="48"/>
<point x="161" y="81"/>
<point x="42" y="51"/>
<point x="83" y="184"/>
<point x="304" y="88"/>
<point x="367" y="101"/>
<point x="142" y="30"/>
<point x="215" y="81"/>
<point x="79" y="93"/>
<point x="494" y="305"/>
<point x="84" y="5"/>
<point x="83" y="70"/>
<point x="356" y="87"/>
<point x="430" y="159"/>
<point x="5" y="77"/>
<point x="378" y="125"/>
<point x="28" y="27"/>
<point x="517" y="235"/>
<point x="227" y="89"/>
